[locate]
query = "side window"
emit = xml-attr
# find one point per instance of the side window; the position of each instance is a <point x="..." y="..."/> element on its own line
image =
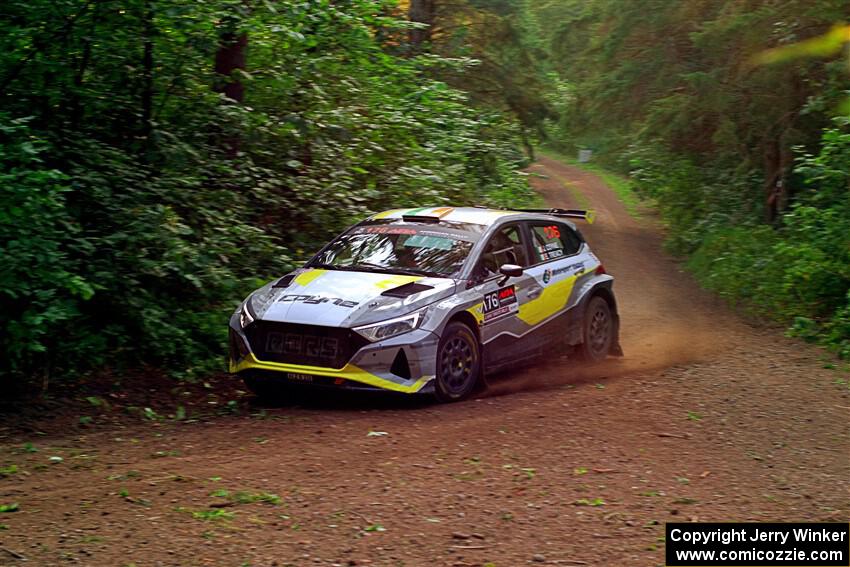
<point x="504" y="247"/>
<point x="553" y="240"/>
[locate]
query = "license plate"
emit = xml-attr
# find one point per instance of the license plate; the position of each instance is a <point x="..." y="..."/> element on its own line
<point x="302" y="345"/>
<point x="299" y="377"/>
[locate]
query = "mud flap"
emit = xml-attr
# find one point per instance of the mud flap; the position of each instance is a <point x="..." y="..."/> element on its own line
<point x="616" y="349"/>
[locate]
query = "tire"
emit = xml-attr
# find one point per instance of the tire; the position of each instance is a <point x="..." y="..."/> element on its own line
<point x="458" y="363"/>
<point x="598" y="330"/>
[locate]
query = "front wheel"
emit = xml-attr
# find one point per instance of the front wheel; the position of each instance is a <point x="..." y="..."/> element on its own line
<point x="598" y="330"/>
<point x="458" y="363"/>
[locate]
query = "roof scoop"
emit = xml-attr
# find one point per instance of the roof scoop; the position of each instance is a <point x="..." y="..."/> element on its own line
<point x="407" y="290"/>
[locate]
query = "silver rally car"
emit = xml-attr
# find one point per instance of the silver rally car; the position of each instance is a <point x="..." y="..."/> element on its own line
<point x="429" y="300"/>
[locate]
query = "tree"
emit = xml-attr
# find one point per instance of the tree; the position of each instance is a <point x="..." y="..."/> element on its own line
<point x="421" y="12"/>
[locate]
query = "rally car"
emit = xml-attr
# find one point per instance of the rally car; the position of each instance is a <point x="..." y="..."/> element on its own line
<point x="429" y="300"/>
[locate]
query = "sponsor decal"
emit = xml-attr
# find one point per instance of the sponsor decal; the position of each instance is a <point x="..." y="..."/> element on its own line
<point x="551" y="250"/>
<point x="305" y="345"/>
<point x="577" y="267"/>
<point x="385" y="229"/>
<point x="317" y="299"/>
<point x="499" y="303"/>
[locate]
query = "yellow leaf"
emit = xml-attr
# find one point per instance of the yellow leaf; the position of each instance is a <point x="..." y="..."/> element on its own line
<point x="824" y="45"/>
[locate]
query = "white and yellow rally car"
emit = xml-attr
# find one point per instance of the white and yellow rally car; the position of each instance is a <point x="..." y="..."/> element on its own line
<point x="428" y="300"/>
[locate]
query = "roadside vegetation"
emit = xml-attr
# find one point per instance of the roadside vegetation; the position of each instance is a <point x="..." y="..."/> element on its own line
<point x="733" y="119"/>
<point x="158" y="159"/>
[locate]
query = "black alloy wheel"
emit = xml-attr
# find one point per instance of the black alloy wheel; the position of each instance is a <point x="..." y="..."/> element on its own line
<point x="458" y="363"/>
<point x="598" y="330"/>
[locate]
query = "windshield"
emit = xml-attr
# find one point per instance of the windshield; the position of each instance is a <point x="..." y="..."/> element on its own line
<point x="431" y="250"/>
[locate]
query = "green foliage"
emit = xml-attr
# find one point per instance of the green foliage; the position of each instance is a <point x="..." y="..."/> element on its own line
<point x="681" y="74"/>
<point x="503" y="40"/>
<point x="40" y="285"/>
<point x="702" y="103"/>
<point x="139" y="205"/>
<point x="799" y="273"/>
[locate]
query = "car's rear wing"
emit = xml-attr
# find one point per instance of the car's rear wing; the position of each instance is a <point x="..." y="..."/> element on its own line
<point x="586" y="214"/>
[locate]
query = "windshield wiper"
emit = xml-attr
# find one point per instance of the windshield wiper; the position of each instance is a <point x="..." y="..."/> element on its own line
<point x="321" y="266"/>
<point x="369" y="266"/>
<point x="417" y="272"/>
<point x="397" y="270"/>
<point x="347" y="267"/>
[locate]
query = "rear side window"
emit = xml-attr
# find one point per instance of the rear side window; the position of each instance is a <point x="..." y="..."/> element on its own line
<point x="553" y="241"/>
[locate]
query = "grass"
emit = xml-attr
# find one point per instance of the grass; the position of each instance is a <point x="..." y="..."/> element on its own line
<point x="590" y="502"/>
<point x="620" y="184"/>
<point x="244" y="497"/>
<point x="213" y="515"/>
<point x="8" y="470"/>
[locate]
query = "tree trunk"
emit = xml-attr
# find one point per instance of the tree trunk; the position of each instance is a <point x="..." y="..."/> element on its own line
<point x="423" y="12"/>
<point x="147" y="74"/>
<point x="229" y="58"/>
<point x="778" y="159"/>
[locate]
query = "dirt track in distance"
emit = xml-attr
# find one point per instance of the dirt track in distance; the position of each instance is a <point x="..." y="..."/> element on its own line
<point x="705" y="418"/>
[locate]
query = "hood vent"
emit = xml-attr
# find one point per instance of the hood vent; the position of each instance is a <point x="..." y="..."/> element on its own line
<point x="284" y="281"/>
<point x="406" y="290"/>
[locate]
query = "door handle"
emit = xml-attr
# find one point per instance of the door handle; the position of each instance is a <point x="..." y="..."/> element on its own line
<point x="535" y="292"/>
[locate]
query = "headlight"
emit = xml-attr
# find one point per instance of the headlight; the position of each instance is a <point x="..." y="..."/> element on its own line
<point x="245" y="316"/>
<point x="392" y="327"/>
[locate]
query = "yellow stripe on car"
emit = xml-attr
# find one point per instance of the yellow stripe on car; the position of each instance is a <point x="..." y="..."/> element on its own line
<point x="552" y="299"/>
<point x="477" y="311"/>
<point x="307" y="277"/>
<point x="348" y="372"/>
<point x="395" y="281"/>
<point x="441" y="211"/>
<point x="386" y="214"/>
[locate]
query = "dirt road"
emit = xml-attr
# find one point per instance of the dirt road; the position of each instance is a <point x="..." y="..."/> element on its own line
<point x="706" y="418"/>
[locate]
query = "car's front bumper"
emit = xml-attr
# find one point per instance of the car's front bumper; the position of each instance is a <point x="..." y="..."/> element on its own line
<point x="369" y="367"/>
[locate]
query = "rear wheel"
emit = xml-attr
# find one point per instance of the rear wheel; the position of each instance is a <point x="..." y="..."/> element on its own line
<point x="598" y="330"/>
<point x="458" y="363"/>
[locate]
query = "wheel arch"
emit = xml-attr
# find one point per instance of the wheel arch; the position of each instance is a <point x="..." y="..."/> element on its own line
<point x="603" y="289"/>
<point x="469" y="320"/>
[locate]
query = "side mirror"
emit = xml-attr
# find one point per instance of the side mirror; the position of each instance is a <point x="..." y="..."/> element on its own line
<point x="509" y="271"/>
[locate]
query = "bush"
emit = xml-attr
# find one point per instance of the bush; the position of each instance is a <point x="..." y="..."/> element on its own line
<point x="129" y="240"/>
<point x="798" y="273"/>
<point x="41" y="284"/>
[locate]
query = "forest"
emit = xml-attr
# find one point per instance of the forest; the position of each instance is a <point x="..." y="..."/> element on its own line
<point x="159" y="158"/>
